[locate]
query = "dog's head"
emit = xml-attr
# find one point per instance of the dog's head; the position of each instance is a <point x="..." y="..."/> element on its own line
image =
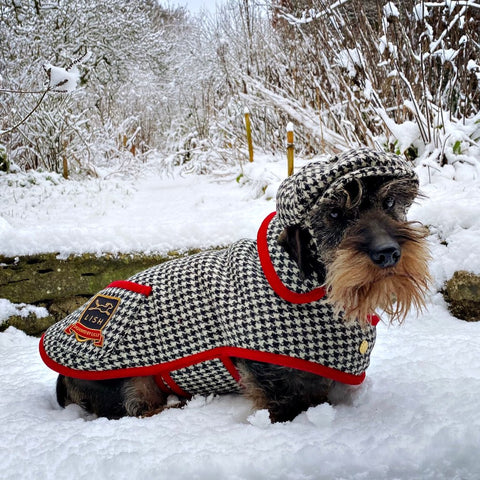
<point x="345" y="220"/>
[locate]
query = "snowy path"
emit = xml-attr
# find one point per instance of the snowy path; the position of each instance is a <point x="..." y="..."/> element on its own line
<point x="149" y="215"/>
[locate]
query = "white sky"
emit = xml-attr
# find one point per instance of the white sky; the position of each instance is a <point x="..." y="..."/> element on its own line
<point x="197" y="5"/>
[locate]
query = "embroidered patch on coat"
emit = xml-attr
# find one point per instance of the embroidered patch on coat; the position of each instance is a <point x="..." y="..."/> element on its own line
<point x="93" y="319"/>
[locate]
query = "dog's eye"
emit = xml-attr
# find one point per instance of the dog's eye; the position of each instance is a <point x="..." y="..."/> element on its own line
<point x="335" y="214"/>
<point x="388" y="203"/>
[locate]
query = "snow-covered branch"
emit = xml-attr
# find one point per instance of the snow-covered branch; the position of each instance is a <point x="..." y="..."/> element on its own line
<point x="60" y="79"/>
<point x="309" y="15"/>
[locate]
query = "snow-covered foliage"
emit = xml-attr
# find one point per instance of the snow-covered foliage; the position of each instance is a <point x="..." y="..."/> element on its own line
<point x="109" y="107"/>
<point x="344" y="72"/>
<point x="415" y="66"/>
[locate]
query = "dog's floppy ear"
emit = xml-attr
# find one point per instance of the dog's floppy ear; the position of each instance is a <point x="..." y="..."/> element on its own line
<point x="295" y="241"/>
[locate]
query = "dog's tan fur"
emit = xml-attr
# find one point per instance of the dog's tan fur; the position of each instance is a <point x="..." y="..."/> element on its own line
<point x="358" y="287"/>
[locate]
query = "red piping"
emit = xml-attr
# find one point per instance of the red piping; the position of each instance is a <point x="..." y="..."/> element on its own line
<point x="271" y="275"/>
<point x="276" y="283"/>
<point x="132" y="286"/>
<point x="232" y="369"/>
<point x="176" y="389"/>
<point x="162" y="385"/>
<point x="220" y="352"/>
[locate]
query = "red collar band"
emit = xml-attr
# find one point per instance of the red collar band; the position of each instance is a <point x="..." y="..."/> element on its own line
<point x="271" y="275"/>
<point x="276" y="283"/>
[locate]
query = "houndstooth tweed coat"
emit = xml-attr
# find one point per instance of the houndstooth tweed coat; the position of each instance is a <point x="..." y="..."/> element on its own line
<point x="184" y="320"/>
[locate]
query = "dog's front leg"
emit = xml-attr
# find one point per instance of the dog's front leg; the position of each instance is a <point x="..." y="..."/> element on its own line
<point x="284" y="392"/>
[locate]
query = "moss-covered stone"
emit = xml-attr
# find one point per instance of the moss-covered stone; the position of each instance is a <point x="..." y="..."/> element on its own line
<point x="31" y="325"/>
<point x="42" y="278"/>
<point x="62" y="285"/>
<point x="462" y="292"/>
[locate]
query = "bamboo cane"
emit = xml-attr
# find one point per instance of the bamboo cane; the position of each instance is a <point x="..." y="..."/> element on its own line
<point x="248" y="127"/>
<point x="290" y="148"/>
<point x="65" y="161"/>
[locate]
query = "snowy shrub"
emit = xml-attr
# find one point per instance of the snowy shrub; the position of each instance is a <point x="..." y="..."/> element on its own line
<point x="402" y="75"/>
<point x="108" y="110"/>
<point x="43" y="130"/>
<point x="412" y="69"/>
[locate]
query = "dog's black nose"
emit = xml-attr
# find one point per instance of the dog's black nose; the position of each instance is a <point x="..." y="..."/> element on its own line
<point x="386" y="255"/>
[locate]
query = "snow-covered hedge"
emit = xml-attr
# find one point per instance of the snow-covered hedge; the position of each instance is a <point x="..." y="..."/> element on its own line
<point x="402" y="75"/>
<point x="407" y="77"/>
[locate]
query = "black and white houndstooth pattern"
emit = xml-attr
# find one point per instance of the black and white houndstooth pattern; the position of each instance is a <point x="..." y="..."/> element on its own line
<point x="223" y="299"/>
<point x="299" y="193"/>
<point x="210" y="300"/>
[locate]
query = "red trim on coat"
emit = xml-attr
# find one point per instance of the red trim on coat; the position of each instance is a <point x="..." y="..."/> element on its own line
<point x="132" y="286"/>
<point x="271" y="275"/>
<point x="221" y="353"/>
<point x="276" y="283"/>
<point x="172" y="385"/>
<point x="232" y="369"/>
<point x="373" y="319"/>
<point x="162" y="385"/>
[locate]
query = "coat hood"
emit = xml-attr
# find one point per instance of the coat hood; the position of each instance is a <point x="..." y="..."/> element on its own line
<point x="298" y="194"/>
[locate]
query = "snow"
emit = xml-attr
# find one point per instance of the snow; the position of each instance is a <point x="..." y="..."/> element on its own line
<point x="151" y="214"/>
<point x="415" y="416"/>
<point x="9" y="309"/>
<point x="447" y="55"/>
<point x="349" y="59"/>
<point x="384" y="45"/>
<point x="62" y="79"/>
<point x="390" y="10"/>
<point x="420" y="11"/>
<point x="472" y="66"/>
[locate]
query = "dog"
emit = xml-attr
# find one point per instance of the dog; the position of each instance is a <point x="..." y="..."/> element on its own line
<point x="280" y="320"/>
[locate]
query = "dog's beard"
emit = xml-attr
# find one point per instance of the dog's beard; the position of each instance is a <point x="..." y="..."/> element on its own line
<point x="357" y="287"/>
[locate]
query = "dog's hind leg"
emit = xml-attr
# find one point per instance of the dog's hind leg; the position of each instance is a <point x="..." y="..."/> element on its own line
<point x="115" y="398"/>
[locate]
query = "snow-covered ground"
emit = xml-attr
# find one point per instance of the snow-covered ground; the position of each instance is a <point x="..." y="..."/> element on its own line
<point x="117" y="214"/>
<point x="415" y="417"/>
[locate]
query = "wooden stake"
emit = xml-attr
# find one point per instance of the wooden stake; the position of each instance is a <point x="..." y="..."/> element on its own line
<point x="290" y="148"/>
<point x="65" y="161"/>
<point x="248" y="126"/>
<point x="319" y="106"/>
